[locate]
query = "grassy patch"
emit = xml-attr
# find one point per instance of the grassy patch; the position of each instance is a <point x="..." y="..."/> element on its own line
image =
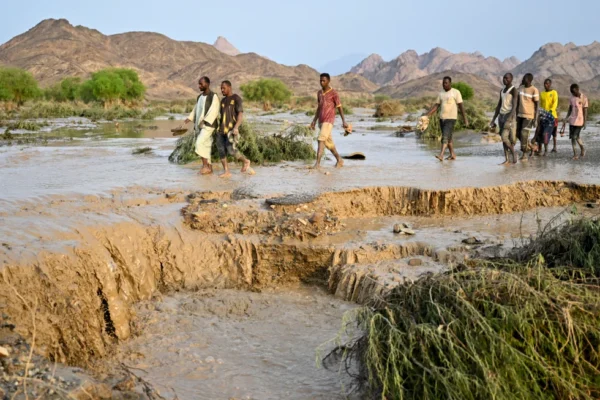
<point x="389" y="108"/>
<point x="294" y="143"/>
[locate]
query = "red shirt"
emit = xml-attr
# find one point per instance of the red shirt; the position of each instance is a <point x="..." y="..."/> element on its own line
<point x="328" y="102"/>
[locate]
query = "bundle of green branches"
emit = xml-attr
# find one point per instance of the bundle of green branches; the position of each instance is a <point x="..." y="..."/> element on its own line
<point x="574" y="243"/>
<point x="504" y="331"/>
<point x="478" y="121"/>
<point x="290" y="144"/>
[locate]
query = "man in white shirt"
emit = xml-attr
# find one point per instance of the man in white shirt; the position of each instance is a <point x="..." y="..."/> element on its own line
<point x="205" y="118"/>
<point x="448" y="101"/>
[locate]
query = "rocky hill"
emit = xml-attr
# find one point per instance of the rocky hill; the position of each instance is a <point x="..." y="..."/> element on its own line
<point x="410" y="65"/>
<point x="431" y="85"/>
<point x="582" y="63"/>
<point x="54" y="49"/>
<point x="224" y="46"/>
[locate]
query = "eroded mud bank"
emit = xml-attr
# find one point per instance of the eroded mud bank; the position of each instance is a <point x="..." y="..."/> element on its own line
<point x="82" y="298"/>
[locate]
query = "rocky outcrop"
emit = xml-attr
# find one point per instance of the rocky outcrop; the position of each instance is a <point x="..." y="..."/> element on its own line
<point x="224" y="46"/>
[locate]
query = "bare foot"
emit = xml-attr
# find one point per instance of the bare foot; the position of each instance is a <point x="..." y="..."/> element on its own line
<point x="553" y="150"/>
<point x="575" y="158"/>
<point x="206" y="170"/>
<point x="339" y="164"/>
<point x="451" y="158"/>
<point x="225" y="174"/>
<point x="246" y="166"/>
<point x="439" y="158"/>
<point x="505" y="163"/>
<point x="316" y="166"/>
<point x="250" y="171"/>
<point x="582" y="152"/>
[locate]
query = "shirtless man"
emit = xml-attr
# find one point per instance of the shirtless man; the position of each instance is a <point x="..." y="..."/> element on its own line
<point x="328" y="101"/>
<point x="506" y="110"/>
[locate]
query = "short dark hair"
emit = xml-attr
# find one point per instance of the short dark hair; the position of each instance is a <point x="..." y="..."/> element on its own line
<point x="205" y="79"/>
<point x="228" y="83"/>
<point x="509" y="74"/>
<point x="548" y="80"/>
<point x="528" y="76"/>
<point x="574" y="86"/>
<point x="447" y="78"/>
<point x="325" y="75"/>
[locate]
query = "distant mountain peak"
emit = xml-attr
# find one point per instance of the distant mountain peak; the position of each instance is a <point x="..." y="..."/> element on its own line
<point x="224" y="46"/>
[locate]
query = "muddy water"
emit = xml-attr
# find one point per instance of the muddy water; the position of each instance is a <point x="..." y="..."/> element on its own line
<point x="239" y="345"/>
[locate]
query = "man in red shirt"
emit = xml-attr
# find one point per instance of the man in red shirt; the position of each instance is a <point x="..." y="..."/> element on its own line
<point x="328" y="101"/>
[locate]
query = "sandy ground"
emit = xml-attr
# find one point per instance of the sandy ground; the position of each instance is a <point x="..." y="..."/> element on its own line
<point x="209" y="292"/>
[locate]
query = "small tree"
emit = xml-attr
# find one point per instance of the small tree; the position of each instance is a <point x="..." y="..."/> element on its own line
<point x="465" y="90"/>
<point x="66" y="90"/>
<point x="134" y="88"/>
<point x="113" y="84"/>
<point x="266" y="91"/>
<point x="17" y="85"/>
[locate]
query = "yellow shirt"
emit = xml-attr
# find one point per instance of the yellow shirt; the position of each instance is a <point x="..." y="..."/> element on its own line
<point x="448" y="102"/>
<point x="549" y="101"/>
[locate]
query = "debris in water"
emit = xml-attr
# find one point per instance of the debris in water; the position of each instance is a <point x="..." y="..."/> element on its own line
<point x="142" y="150"/>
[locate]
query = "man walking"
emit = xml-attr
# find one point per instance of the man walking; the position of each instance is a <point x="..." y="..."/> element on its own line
<point x="506" y="112"/>
<point x="448" y="101"/>
<point x="527" y="109"/>
<point x="328" y="101"/>
<point x="204" y="116"/>
<point x="548" y="117"/>
<point x="577" y="117"/>
<point x="232" y="114"/>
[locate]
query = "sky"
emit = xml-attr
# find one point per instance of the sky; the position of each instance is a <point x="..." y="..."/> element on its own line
<point x="316" y="32"/>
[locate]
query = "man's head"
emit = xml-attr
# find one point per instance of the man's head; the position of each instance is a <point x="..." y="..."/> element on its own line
<point x="226" y="88"/>
<point x="575" y="90"/>
<point x="447" y="83"/>
<point x="325" y="79"/>
<point x="527" y="79"/>
<point x="204" y="83"/>
<point x="507" y="79"/>
<point x="548" y="84"/>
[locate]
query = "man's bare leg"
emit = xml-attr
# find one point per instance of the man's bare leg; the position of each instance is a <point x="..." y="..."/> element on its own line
<point x="505" y="147"/>
<point x="580" y="142"/>
<point x="452" y="154"/>
<point x="441" y="155"/>
<point x="320" y="150"/>
<point x="226" y="173"/>
<point x="340" y="162"/>
<point x="554" y="143"/>
<point x="246" y="166"/>
<point x="545" y="149"/>
<point x="574" y="145"/>
<point x="206" y="167"/>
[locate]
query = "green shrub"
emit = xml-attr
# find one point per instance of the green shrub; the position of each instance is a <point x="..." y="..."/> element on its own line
<point x="266" y="91"/>
<point x="478" y="121"/>
<point x="389" y="108"/>
<point x="347" y="110"/>
<point x="17" y="85"/>
<point x="380" y="98"/>
<point x="69" y="89"/>
<point x="594" y="107"/>
<point x="465" y="90"/>
<point x="112" y="85"/>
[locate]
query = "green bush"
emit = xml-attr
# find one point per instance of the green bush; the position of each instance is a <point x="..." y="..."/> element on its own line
<point x="347" y="110"/>
<point x="266" y="91"/>
<point x="418" y="104"/>
<point x="594" y="107"/>
<point x="112" y="85"/>
<point x="380" y="98"/>
<point x="17" y="85"/>
<point x="66" y="90"/>
<point x="465" y="90"/>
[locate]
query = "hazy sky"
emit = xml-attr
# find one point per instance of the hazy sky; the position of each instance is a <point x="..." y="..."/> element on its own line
<point x="317" y="31"/>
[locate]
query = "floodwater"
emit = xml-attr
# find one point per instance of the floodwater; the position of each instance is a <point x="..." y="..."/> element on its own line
<point x="99" y="160"/>
<point x="238" y="345"/>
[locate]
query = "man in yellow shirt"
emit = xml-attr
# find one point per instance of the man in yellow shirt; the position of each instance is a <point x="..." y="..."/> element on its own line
<point x="548" y="104"/>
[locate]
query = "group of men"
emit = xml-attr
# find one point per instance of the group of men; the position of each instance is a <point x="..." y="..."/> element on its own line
<point x="519" y="111"/>
<point x="225" y="116"/>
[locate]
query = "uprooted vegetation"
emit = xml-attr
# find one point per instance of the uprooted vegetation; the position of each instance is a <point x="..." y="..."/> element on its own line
<point x="493" y="329"/>
<point x="478" y="121"/>
<point x="290" y="144"/>
<point x="389" y="108"/>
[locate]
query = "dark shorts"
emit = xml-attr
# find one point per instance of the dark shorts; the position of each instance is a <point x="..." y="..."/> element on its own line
<point x="225" y="147"/>
<point x="447" y="127"/>
<point x="523" y="125"/>
<point x="574" y="132"/>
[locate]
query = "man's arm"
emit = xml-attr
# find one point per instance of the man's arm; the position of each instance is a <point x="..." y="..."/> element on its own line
<point x="464" y="114"/>
<point x="585" y="109"/>
<point x="238" y="121"/>
<point x="568" y="115"/>
<point x="496" y="113"/>
<point x="190" y="117"/>
<point x="515" y="104"/>
<point x="433" y="109"/>
<point x="314" y="121"/>
<point x="341" y="110"/>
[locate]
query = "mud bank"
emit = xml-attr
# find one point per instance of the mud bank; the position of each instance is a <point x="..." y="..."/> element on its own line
<point x="79" y="300"/>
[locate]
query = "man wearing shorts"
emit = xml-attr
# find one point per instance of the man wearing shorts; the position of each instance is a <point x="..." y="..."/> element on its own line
<point x="232" y="114"/>
<point x="448" y="101"/>
<point x="548" y="117"/>
<point x="527" y="110"/>
<point x="506" y="112"/>
<point x="577" y="117"/>
<point x="328" y="101"/>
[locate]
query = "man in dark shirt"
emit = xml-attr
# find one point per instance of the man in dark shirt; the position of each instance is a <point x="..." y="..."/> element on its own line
<point x="232" y="114"/>
<point x="328" y="101"/>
